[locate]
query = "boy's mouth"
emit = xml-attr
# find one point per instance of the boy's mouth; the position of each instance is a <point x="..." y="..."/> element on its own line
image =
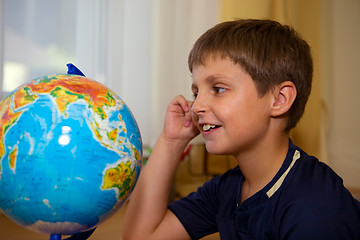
<point x="209" y="127"/>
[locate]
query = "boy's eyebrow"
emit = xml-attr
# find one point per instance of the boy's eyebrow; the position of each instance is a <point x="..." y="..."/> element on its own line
<point x="209" y="79"/>
<point x="213" y="78"/>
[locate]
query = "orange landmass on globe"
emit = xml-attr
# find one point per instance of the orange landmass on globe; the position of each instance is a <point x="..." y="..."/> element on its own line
<point x="69" y="88"/>
<point x="63" y="98"/>
<point x="12" y="158"/>
<point x="23" y="97"/>
<point x="7" y="118"/>
<point x="136" y="152"/>
<point x="96" y="131"/>
<point x="120" y="177"/>
<point x="112" y="135"/>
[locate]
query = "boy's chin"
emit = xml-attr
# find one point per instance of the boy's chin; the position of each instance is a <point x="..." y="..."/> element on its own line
<point x="214" y="149"/>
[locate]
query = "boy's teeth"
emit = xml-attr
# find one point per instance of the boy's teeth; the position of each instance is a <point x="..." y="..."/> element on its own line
<point x="207" y="127"/>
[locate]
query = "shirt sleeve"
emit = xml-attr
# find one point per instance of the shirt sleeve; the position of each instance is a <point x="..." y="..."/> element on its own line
<point x="197" y="211"/>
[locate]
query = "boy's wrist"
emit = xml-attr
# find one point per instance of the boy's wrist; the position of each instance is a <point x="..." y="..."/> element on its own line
<point x="174" y="145"/>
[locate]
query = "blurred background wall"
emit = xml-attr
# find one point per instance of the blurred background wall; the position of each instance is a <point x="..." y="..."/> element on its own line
<point x="139" y="49"/>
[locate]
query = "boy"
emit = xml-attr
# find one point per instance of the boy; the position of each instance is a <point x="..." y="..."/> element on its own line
<point x="251" y="81"/>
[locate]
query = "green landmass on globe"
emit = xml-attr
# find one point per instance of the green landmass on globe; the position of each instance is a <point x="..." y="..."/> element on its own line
<point x="70" y="154"/>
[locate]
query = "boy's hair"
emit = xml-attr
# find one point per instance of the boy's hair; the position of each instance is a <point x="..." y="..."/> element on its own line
<point x="271" y="53"/>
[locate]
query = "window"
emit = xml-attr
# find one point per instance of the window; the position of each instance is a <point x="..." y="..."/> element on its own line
<point x="39" y="39"/>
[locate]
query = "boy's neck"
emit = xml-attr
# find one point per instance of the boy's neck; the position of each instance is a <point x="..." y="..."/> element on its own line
<point x="260" y="165"/>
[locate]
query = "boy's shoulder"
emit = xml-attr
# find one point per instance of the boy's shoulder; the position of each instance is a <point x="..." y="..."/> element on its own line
<point x="310" y="178"/>
<point x="314" y="198"/>
<point x="309" y="175"/>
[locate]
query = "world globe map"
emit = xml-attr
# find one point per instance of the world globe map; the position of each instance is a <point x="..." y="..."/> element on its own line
<point x="70" y="154"/>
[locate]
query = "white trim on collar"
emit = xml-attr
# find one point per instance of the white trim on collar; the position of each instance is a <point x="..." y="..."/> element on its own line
<point x="279" y="182"/>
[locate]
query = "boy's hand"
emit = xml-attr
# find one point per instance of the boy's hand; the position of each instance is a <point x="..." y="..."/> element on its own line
<point x="178" y="121"/>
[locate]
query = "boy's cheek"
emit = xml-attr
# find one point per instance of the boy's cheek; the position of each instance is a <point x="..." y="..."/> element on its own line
<point x="195" y="119"/>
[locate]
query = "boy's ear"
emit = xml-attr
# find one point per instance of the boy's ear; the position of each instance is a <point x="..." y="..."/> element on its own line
<point x="284" y="97"/>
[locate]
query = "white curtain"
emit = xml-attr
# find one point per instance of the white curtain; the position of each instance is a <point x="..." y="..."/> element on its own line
<point x="146" y="44"/>
<point x="177" y="24"/>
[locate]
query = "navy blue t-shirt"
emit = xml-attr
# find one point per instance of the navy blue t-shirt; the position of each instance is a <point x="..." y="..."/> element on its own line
<point x="305" y="200"/>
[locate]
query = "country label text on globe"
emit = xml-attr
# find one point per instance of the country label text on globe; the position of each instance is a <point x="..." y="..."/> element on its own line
<point x="70" y="154"/>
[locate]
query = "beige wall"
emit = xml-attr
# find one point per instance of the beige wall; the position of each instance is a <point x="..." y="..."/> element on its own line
<point x="341" y="86"/>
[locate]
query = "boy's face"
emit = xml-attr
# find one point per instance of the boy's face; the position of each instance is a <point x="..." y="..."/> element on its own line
<point x="227" y="108"/>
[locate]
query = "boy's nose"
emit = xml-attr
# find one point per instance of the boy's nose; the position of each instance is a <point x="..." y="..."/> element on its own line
<point x="199" y="105"/>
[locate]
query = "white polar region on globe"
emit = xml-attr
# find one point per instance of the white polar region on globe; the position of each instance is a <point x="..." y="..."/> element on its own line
<point x="64" y="228"/>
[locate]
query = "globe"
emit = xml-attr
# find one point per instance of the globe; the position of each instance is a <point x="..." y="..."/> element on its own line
<point x="70" y="154"/>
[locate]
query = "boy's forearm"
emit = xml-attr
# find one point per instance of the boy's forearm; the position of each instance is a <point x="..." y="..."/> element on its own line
<point x="148" y="202"/>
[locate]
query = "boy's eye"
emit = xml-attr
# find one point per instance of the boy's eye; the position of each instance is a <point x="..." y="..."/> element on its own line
<point x="219" y="89"/>
<point x="195" y="95"/>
